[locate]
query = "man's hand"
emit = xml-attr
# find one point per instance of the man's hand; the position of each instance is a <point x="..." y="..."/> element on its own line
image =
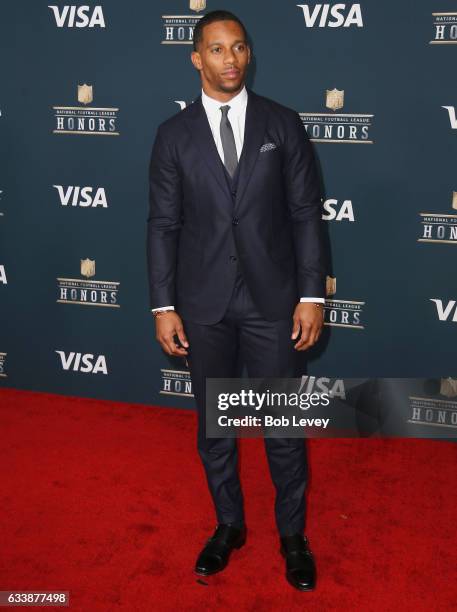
<point x="310" y="319"/>
<point x="167" y="326"/>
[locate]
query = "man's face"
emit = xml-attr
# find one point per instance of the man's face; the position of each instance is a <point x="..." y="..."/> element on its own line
<point x="223" y="57"/>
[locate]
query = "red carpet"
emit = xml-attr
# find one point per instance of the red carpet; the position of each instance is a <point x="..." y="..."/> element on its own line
<point x="109" y="502"/>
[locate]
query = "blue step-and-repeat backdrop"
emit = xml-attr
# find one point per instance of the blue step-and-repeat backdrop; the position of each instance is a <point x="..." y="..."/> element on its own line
<point x="83" y="89"/>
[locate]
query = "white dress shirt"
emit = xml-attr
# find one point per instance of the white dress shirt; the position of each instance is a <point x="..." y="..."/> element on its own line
<point x="237" y="116"/>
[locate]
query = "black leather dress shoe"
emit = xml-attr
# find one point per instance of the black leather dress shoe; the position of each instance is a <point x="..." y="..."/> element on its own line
<point x="216" y="553"/>
<point x="300" y="567"/>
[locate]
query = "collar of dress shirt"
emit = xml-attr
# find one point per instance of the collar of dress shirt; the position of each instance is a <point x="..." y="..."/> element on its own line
<point x="237" y="103"/>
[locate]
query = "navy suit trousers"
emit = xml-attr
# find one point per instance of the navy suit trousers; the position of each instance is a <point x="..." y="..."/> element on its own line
<point x="243" y="336"/>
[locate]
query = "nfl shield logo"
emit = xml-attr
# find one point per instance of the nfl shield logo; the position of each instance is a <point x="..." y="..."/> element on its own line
<point x="87" y="267"/>
<point x="448" y="387"/>
<point x="334" y="99"/>
<point x="197" y="5"/>
<point x="454" y="199"/>
<point x="330" y="285"/>
<point x="85" y="94"/>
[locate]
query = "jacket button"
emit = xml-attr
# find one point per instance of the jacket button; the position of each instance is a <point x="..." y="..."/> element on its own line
<point x="234" y="193"/>
<point x="232" y="258"/>
<point x="235" y="221"/>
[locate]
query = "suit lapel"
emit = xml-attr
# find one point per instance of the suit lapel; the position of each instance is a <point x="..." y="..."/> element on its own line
<point x="202" y="137"/>
<point x="254" y="130"/>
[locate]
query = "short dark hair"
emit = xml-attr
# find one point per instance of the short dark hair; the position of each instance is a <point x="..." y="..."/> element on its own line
<point x="211" y="18"/>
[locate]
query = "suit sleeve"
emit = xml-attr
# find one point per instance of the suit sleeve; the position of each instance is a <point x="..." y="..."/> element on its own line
<point x="305" y="207"/>
<point x="163" y="223"/>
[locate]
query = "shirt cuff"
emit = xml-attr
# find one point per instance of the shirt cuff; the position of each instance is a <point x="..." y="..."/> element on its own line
<point x="162" y="308"/>
<point x="312" y="299"/>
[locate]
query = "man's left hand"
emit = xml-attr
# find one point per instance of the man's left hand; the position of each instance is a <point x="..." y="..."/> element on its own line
<point x="310" y="319"/>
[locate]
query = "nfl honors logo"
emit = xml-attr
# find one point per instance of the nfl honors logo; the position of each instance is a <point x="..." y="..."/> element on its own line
<point x="85" y="120"/>
<point x="439" y="227"/>
<point x="341" y="313"/>
<point x="179" y="29"/>
<point x="87" y="292"/>
<point x="176" y="382"/>
<point x="438" y="408"/>
<point x="343" y="128"/>
<point x="444" y="29"/>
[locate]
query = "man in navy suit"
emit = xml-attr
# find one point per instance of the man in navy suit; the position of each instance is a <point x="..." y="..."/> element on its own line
<point x="236" y="267"/>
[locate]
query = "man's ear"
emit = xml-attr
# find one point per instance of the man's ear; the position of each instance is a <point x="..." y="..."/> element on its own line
<point x="196" y="60"/>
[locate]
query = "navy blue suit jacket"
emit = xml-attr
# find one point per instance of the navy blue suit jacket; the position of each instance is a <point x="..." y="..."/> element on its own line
<point x="272" y="223"/>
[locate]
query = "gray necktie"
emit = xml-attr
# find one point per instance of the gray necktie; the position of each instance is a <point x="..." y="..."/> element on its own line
<point x="228" y="142"/>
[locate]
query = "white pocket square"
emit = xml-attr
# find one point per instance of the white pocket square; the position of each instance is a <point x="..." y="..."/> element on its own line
<point x="267" y="147"/>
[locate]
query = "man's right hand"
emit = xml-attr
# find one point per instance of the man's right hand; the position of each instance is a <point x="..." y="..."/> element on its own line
<point x="167" y="326"/>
